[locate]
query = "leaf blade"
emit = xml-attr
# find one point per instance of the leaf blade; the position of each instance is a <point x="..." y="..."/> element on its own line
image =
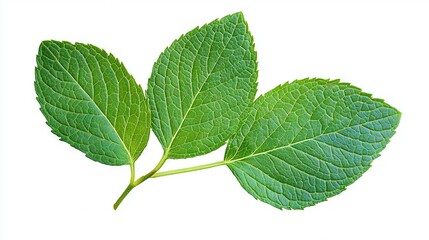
<point x="200" y="85"/>
<point x="306" y="141"/>
<point x="91" y="102"/>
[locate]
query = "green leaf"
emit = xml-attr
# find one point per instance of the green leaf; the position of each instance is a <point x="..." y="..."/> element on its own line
<point x="200" y="86"/>
<point x="91" y="102"/>
<point x="304" y="142"/>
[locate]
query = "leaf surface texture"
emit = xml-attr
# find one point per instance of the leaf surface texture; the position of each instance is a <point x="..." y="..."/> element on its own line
<point x="91" y="102"/>
<point x="305" y="141"/>
<point x="200" y="86"/>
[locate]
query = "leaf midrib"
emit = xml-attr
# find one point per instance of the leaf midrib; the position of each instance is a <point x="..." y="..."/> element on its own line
<point x="93" y="102"/>
<point x="302" y="141"/>
<point x="198" y="92"/>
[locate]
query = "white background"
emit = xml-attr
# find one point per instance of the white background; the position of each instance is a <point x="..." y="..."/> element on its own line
<point x="51" y="191"/>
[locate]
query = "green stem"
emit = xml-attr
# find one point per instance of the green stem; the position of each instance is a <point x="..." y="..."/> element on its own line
<point x="154" y="174"/>
<point x="123" y="195"/>
<point x="189" y="169"/>
<point x="151" y="173"/>
<point x="133" y="183"/>
<point x="133" y="172"/>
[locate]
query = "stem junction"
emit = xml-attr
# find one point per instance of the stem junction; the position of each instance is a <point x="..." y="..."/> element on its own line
<point x="154" y="174"/>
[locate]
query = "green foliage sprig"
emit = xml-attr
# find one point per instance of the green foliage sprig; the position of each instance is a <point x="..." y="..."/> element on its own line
<point x="292" y="147"/>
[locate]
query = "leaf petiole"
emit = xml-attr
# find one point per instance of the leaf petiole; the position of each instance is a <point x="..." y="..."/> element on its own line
<point x="156" y="169"/>
<point x="154" y="174"/>
<point x="143" y="178"/>
<point x="189" y="169"/>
